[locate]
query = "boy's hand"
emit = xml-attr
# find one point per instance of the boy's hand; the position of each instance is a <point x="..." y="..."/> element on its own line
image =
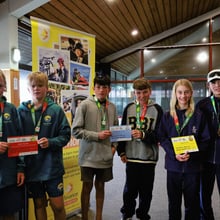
<point x="124" y="158"/>
<point x="20" y="179"/>
<point x="43" y="142"/>
<point x="104" y="134"/>
<point x="137" y="134"/>
<point x="3" y="147"/>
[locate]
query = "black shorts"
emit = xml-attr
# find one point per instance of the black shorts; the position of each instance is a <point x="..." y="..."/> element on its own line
<point x="103" y="175"/>
<point x="11" y="199"/>
<point x="54" y="188"/>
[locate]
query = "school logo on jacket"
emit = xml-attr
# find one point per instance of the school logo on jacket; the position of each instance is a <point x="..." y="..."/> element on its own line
<point x="47" y="118"/>
<point x="7" y="116"/>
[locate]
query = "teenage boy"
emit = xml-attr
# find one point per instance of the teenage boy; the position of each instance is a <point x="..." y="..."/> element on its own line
<point x="11" y="168"/>
<point x="91" y="124"/>
<point x="44" y="171"/>
<point x="211" y="167"/>
<point x="140" y="154"/>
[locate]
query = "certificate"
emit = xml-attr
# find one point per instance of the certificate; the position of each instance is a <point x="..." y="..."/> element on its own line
<point x="22" y="145"/>
<point x="184" y="144"/>
<point x="120" y="133"/>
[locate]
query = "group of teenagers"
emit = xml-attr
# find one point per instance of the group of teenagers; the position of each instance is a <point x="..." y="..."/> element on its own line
<point x="190" y="174"/>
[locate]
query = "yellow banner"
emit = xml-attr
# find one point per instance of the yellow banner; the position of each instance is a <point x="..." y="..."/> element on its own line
<point x="67" y="56"/>
<point x="53" y="45"/>
<point x="72" y="183"/>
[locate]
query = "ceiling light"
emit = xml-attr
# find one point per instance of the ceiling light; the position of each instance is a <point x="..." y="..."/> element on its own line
<point x="202" y="57"/>
<point x="146" y="51"/>
<point x="16" y="55"/>
<point x="134" y="32"/>
<point x="153" y="60"/>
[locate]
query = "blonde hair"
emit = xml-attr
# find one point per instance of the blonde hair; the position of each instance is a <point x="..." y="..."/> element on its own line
<point x="173" y="100"/>
<point x="39" y="78"/>
<point x="2" y="76"/>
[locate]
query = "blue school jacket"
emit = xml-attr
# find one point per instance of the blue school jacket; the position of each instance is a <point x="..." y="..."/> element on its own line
<point x="196" y="126"/>
<point x="213" y="153"/>
<point x="48" y="163"/>
<point x="9" y="166"/>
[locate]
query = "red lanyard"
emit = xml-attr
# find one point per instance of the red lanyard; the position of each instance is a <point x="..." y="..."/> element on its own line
<point x="2" y="107"/>
<point x="140" y="114"/>
<point x="176" y="122"/>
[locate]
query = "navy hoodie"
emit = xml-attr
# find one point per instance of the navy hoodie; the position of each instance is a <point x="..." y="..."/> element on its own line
<point x="205" y="105"/>
<point x="196" y="126"/>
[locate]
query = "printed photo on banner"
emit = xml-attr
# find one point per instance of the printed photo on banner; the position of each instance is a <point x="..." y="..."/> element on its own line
<point x="71" y="99"/>
<point x="54" y="63"/>
<point x="54" y="91"/>
<point x="77" y="47"/>
<point x="80" y="76"/>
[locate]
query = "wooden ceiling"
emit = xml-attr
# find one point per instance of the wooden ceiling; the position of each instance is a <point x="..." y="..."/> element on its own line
<point x="112" y="21"/>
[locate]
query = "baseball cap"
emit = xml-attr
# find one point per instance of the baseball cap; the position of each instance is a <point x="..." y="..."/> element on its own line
<point x="213" y="75"/>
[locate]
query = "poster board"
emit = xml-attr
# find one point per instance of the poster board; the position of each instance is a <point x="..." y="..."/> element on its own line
<point x="54" y="53"/>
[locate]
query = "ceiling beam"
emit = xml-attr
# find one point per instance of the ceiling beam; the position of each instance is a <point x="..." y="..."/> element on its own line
<point x="115" y="56"/>
<point x="22" y="7"/>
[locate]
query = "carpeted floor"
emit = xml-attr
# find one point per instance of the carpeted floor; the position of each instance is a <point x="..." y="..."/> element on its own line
<point x="114" y="189"/>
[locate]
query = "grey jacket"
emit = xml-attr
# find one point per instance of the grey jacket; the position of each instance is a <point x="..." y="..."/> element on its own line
<point x="145" y="150"/>
<point x="86" y="125"/>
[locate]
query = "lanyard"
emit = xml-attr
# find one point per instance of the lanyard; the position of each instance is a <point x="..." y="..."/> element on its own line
<point x="213" y="104"/>
<point x="140" y="114"/>
<point x="103" y="112"/>
<point x="37" y="127"/>
<point x="214" y="107"/>
<point x="1" y="127"/>
<point x="176" y="122"/>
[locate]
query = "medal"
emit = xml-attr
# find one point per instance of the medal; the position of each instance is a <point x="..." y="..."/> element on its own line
<point x="37" y="129"/>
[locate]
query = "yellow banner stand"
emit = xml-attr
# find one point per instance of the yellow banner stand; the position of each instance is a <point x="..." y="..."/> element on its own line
<point x="72" y="183"/>
<point x="49" y="41"/>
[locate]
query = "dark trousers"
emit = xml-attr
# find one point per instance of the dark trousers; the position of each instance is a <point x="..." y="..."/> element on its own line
<point x="188" y="186"/>
<point x="139" y="182"/>
<point x="210" y="171"/>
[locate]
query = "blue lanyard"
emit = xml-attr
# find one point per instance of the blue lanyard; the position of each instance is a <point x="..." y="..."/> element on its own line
<point x="1" y="124"/>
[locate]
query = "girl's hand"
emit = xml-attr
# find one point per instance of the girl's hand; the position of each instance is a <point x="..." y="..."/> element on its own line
<point x="183" y="157"/>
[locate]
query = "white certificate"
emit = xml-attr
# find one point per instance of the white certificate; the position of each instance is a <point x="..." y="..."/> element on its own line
<point x="120" y="133"/>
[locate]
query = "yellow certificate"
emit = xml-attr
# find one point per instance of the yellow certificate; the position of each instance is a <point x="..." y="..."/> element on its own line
<point x="184" y="144"/>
